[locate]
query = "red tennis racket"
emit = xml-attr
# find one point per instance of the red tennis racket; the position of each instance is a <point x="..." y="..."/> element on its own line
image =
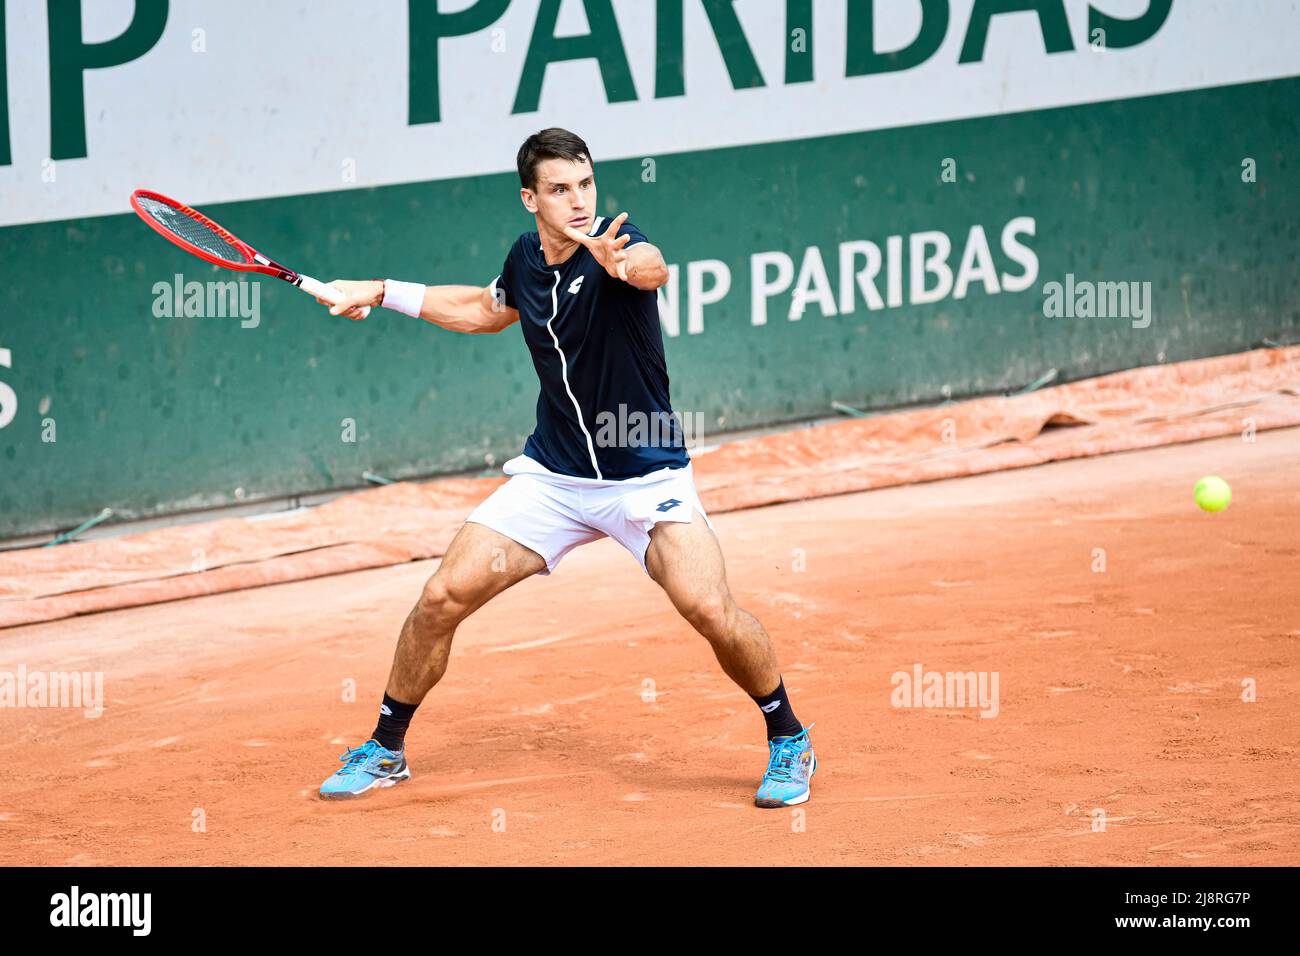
<point x="200" y="236"/>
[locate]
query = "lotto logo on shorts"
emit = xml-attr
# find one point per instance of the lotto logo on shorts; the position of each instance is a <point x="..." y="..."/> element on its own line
<point x="668" y="505"/>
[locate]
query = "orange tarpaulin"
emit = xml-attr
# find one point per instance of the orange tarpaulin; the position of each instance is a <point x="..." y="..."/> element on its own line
<point x="1139" y="408"/>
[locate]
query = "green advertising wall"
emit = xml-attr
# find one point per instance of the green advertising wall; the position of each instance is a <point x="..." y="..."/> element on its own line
<point x="153" y="415"/>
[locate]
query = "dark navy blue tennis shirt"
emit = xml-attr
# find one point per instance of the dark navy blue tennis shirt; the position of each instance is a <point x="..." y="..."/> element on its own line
<point x="603" y="410"/>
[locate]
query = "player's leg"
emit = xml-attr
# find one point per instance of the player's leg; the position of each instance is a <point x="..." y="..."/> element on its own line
<point x="685" y="559"/>
<point x="479" y="564"/>
<point x="523" y="528"/>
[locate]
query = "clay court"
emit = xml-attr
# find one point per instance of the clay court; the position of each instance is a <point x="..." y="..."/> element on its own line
<point x="1120" y="691"/>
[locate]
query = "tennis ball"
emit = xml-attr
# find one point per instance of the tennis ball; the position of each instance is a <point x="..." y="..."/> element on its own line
<point x="1212" y="493"/>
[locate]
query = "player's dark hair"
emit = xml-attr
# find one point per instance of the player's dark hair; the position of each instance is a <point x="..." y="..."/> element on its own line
<point x="553" y="143"/>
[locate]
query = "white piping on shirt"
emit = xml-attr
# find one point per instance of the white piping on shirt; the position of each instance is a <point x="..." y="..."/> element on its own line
<point x="564" y="374"/>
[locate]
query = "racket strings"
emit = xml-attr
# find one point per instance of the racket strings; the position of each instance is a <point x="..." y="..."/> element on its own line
<point x="191" y="230"/>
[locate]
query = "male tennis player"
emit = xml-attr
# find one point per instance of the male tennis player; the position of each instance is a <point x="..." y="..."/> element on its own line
<point x="583" y="289"/>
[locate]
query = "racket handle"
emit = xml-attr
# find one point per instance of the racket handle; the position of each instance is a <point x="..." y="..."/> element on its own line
<point x="320" y="290"/>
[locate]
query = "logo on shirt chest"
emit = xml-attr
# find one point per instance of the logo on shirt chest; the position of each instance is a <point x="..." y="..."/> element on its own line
<point x="576" y="285"/>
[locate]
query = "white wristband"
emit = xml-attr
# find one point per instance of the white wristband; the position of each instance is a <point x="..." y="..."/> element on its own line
<point x="404" y="297"/>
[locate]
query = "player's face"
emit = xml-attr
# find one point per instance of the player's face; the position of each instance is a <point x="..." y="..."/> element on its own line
<point x="565" y="195"/>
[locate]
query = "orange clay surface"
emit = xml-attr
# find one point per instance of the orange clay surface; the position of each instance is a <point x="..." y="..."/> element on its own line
<point x="582" y="722"/>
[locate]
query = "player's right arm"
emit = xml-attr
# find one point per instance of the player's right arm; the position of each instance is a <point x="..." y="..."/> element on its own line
<point x="457" y="308"/>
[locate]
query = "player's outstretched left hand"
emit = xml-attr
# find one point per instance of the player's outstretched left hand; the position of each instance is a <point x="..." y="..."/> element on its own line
<point x="607" y="247"/>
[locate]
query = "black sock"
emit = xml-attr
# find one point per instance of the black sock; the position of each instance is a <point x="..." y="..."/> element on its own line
<point x="781" y="721"/>
<point x="394" y="718"/>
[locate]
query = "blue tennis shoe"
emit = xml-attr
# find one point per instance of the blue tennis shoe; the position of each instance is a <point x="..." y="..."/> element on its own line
<point x="365" y="768"/>
<point x="789" y="772"/>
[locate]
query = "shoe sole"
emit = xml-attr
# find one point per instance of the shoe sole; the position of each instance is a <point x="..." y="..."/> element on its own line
<point x="769" y="803"/>
<point x="379" y="782"/>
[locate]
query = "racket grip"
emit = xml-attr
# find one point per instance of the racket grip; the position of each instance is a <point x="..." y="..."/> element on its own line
<point x="320" y="290"/>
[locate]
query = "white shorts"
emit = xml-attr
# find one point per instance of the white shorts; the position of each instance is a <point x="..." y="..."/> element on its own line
<point x="552" y="514"/>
